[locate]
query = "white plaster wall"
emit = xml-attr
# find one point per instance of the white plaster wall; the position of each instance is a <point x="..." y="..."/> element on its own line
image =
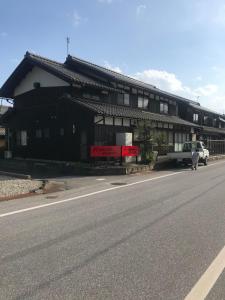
<point x="38" y="75"/>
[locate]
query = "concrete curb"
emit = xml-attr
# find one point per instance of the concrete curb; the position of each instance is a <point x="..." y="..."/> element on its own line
<point x="216" y="157"/>
<point x="17" y="175"/>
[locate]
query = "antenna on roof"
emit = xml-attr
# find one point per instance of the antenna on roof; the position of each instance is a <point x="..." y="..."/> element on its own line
<point x="67" y="45"/>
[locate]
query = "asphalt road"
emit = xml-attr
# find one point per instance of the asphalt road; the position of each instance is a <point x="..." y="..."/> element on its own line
<point x="150" y="239"/>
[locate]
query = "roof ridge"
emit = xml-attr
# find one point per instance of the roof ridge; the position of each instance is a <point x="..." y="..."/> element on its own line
<point x="107" y="69"/>
<point x="132" y="78"/>
<point x="34" y="55"/>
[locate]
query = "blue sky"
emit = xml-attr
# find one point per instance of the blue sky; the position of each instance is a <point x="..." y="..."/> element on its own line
<point x="178" y="45"/>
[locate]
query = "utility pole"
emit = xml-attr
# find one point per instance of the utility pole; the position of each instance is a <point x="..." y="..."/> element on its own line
<point x="67" y="45"/>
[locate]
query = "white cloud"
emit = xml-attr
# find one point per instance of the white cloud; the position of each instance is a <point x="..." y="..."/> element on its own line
<point x="207" y="90"/>
<point x="161" y="79"/>
<point x="208" y="95"/>
<point x="105" y="1"/>
<point x="77" y="19"/>
<point x="3" y="34"/>
<point x="199" y="78"/>
<point x="140" y="9"/>
<point x="110" y="67"/>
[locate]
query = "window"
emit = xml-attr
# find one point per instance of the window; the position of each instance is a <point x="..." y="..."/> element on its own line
<point x="62" y="131"/>
<point x="108" y="121"/>
<point x="123" y="99"/>
<point x="46" y="133"/>
<point x="126" y="99"/>
<point x="99" y="120"/>
<point x="105" y="92"/>
<point x="163" y="108"/>
<point x="38" y="133"/>
<point x="143" y="102"/>
<point x="205" y="120"/>
<point x="18" y="138"/>
<point x="170" y="138"/>
<point x="74" y="129"/>
<point x="134" y="91"/>
<point x="91" y="96"/>
<point x="214" y="122"/>
<point x="156" y="97"/>
<point x="195" y="118"/>
<point x="21" y="138"/>
<point x="126" y="122"/>
<point x="152" y="96"/>
<point x="36" y="85"/>
<point x="118" y="122"/>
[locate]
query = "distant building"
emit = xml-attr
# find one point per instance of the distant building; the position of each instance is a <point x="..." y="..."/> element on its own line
<point x="61" y="109"/>
<point x="3" y="110"/>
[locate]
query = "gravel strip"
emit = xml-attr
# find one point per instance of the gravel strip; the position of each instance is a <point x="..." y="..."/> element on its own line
<point x="18" y="187"/>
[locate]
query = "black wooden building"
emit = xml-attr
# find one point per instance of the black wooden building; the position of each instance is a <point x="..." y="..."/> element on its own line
<point x="61" y="109"/>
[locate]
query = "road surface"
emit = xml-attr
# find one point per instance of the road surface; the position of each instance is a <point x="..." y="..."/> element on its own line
<point x="154" y="236"/>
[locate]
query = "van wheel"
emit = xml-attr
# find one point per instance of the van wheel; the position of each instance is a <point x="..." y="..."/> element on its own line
<point x="206" y="161"/>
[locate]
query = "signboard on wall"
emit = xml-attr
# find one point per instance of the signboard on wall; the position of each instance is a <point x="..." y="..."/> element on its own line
<point x="114" y="151"/>
<point x="105" y="151"/>
<point x="130" y="151"/>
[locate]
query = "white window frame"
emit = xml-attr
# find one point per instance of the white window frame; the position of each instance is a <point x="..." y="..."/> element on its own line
<point x="143" y="102"/>
<point x="123" y="99"/>
<point x="195" y="117"/>
<point x="164" y="108"/>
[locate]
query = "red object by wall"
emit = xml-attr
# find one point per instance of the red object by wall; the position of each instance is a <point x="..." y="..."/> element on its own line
<point x="114" y="151"/>
<point x="130" y="151"/>
<point x="105" y="151"/>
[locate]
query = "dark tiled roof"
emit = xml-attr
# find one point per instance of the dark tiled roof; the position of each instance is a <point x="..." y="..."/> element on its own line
<point x="123" y="78"/>
<point x="58" y="69"/>
<point x="110" y="73"/>
<point x="62" y="69"/>
<point x="221" y="119"/>
<point x="201" y="108"/>
<point x="128" y="112"/>
<point x="207" y="129"/>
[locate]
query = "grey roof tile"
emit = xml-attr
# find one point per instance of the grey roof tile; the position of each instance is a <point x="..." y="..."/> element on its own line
<point x="124" y="78"/>
<point x="207" y="129"/>
<point x="129" y="112"/>
<point x="202" y="108"/>
<point x="64" y="71"/>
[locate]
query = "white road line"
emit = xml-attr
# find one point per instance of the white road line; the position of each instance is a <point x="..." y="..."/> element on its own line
<point x="94" y="193"/>
<point x="86" y="195"/>
<point x="208" y="279"/>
